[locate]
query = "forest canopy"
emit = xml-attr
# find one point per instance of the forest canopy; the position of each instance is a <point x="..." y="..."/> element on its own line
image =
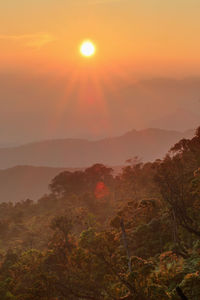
<point x="102" y="236"/>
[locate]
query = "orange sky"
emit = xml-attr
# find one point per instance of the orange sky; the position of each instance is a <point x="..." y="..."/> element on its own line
<point x="43" y="77"/>
<point x="145" y="34"/>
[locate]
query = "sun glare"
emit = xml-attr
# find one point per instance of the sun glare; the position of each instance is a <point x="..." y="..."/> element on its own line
<point x="87" y="49"/>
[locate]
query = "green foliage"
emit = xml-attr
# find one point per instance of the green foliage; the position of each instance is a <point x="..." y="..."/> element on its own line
<point x="72" y="243"/>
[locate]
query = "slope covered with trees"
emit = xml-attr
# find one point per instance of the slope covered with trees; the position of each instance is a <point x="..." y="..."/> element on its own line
<point x="101" y="237"/>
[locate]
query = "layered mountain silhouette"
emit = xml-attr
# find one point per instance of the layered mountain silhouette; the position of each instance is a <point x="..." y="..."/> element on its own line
<point x="159" y="102"/>
<point x="178" y="119"/>
<point x="23" y="182"/>
<point x="147" y="144"/>
<point x="28" y="169"/>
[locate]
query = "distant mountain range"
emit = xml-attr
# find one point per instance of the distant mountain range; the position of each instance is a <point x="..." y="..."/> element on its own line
<point x="147" y="144"/>
<point x="31" y="167"/>
<point x="178" y="119"/>
<point x="23" y="182"/>
<point x="132" y="102"/>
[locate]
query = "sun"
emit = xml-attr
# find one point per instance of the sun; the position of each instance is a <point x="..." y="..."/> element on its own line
<point x="87" y="49"/>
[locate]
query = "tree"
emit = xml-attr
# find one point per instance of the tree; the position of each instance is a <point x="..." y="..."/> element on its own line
<point x="175" y="177"/>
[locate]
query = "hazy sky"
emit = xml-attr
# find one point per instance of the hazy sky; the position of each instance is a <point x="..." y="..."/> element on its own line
<point x="138" y="33"/>
<point x="47" y="89"/>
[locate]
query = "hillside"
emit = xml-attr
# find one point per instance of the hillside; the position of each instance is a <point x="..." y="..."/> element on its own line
<point x="147" y="144"/>
<point x="100" y="237"/>
<point x="22" y="182"/>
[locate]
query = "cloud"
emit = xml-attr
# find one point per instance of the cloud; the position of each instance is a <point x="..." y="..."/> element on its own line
<point x="102" y="1"/>
<point x="94" y="2"/>
<point x="36" y="40"/>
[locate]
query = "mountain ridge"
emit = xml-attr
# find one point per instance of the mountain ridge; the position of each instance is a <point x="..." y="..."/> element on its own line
<point x="148" y="144"/>
<point x="25" y="175"/>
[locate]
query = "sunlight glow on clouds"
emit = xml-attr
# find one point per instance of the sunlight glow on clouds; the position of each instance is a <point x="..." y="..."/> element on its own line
<point x="36" y="40"/>
<point x="102" y="1"/>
